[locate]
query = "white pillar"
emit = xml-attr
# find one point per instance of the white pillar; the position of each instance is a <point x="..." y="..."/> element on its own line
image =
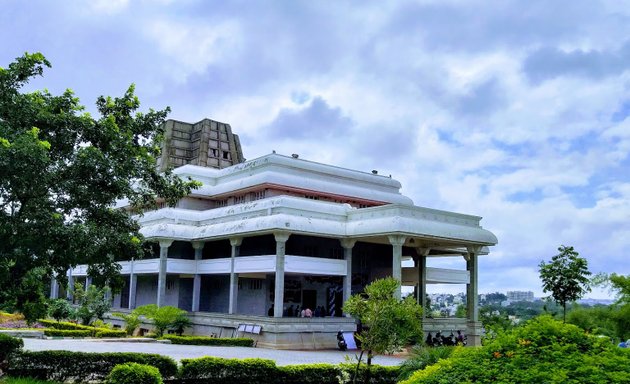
<point x="54" y="288"/>
<point x="472" y="303"/>
<point x="70" y="291"/>
<point x="133" y="283"/>
<point x="278" y="303"/>
<point x="472" y="287"/>
<point x="161" y="291"/>
<point x="347" y="245"/>
<point x="397" y="243"/>
<point x="196" y="294"/>
<point x="233" y="304"/>
<point x="422" y="279"/>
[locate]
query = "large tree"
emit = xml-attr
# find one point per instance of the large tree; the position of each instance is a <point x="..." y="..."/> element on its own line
<point x="61" y="171"/>
<point x="565" y="276"/>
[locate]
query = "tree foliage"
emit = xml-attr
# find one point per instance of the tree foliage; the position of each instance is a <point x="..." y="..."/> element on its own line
<point x="164" y="318"/>
<point x="543" y="350"/>
<point x="565" y="277"/>
<point x="388" y="323"/>
<point x="61" y="171"/>
<point x="93" y="303"/>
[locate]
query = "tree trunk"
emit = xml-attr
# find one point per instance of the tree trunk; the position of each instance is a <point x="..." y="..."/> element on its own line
<point x="356" y="370"/>
<point x="564" y="312"/>
<point x="369" y="365"/>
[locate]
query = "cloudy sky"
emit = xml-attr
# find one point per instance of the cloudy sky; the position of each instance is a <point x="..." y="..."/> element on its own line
<point x="517" y="111"/>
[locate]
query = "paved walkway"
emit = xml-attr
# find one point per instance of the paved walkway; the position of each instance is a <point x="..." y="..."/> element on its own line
<point x="179" y="352"/>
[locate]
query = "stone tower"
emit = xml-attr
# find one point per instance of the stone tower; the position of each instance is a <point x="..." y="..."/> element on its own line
<point x="207" y="143"/>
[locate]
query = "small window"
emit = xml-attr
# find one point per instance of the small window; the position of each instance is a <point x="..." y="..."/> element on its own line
<point x="255" y="284"/>
<point x="239" y="199"/>
<point x="226" y="155"/>
<point x="258" y="195"/>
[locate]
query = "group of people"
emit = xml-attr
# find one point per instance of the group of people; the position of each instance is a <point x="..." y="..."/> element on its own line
<point x="440" y="340"/>
<point x="319" y="311"/>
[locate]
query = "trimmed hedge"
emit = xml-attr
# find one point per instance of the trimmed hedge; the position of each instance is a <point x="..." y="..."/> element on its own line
<point x="64" y="325"/>
<point x="236" y="371"/>
<point x="81" y="366"/>
<point x="9" y="345"/>
<point x="134" y="373"/>
<point x="206" y="340"/>
<point x="210" y="370"/>
<point x="67" y="332"/>
<point x="103" y="332"/>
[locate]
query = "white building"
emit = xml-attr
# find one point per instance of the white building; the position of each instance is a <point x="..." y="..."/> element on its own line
<point x="514" y="296"/>
<point x="287" y="232"/>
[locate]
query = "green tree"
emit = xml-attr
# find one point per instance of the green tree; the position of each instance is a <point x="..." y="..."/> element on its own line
<point x="132" y="321"/>
<point x="61" y="171"/>
<point x="59" y="309"/>
<point x="30" y="293"/>
<point x="388" y="323"/>
<point x="93" y="303"/>
<point x="460" y="311"/>
<point x="565" y="276"/>
<point x="620" y="310"/>
<point x="163" y="318"/>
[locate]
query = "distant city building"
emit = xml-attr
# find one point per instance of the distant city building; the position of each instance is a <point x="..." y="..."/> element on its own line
<point x="513" y="296"/>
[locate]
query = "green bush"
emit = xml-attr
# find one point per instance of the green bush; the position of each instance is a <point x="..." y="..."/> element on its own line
<point x="421" y="357"/>
<point x="104" y="332"/>
<point x="543" y="350"/>
<point x="134" y="373"/>
<point x="65" y="325"/>
<point x="236" y="371"/>
<point x="309" y="374"/>
<point x="209" y="370"/>
<point x="67" y="332"/>
<point x="205" y="340"/>
<point x="59" y="309"/>
<point x="81" y="366"/>
<point x="8" y="345"/>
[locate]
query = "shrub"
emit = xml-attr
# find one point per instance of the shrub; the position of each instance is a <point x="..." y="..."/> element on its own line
<point x="421" y="357"/>
<point x="67" y="332"/>
<point x="103" y="332"/>
<point x="163" y="318"/>
<point x="237" y="371"/>
<point x="81" y="366"/>
<point x="132" y="321"/>
<point x="59" y="309"/>
<point x="8" y="345"/>
<point x="205" y="340"/>
<point x="543" y="350"/>
<point x="209" y="370"/>
<point x="64" y="325"/>
<point x="134" y="373"/>
<point x="309" y="374"/>
<point x="180" y="323"/>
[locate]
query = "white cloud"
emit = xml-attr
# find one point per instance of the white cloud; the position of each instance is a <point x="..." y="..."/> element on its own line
<point x="190" y="47"/>
<point x="439" y="94"/>
<point x="108" y="6"/>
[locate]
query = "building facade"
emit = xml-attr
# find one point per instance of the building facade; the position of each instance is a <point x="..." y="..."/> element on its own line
<point x="263" y="239"/>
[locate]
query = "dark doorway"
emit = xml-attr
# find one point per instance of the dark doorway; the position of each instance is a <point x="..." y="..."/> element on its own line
<point x="309" y="299"/>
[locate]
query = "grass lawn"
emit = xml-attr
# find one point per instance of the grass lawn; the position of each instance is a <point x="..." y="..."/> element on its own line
<point x="11" y="380"/>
